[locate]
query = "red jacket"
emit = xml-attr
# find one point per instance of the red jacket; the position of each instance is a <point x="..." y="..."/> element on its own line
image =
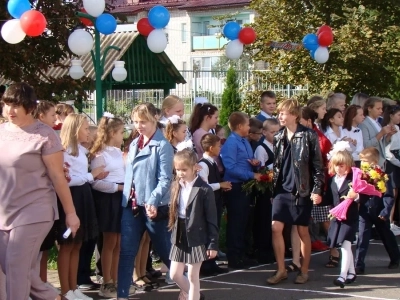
<point x="326" y="146"/>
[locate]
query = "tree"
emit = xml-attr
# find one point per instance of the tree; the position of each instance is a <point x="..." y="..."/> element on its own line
<point x="230" y="97"/>
<point x="364" y="55"/>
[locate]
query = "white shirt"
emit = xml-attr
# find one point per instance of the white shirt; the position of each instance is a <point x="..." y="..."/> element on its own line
<point x="331" y="135"/>
<point x="204" y="172"/>
<point x="262" y="155"/>
<point x="376" y="124"/>
<point x="79" y="167"/>
<point x="393" y="145"/>
<point x="263" y="113"/>
<point x="186" y="188"/>
<point x="339" y="181"/>
<point x="356" y="134"/>
<point x="112" y="159"/>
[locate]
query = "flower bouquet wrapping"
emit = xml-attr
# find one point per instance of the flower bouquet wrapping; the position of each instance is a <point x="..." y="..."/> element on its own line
<point x="369" y="180"/>
<point x="261" y="186"/>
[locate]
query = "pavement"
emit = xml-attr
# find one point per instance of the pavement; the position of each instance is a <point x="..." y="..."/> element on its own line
<point x="378" y="283"/>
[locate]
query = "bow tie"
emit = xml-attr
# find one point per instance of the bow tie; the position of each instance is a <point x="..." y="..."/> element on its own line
<point x="356" y="130"/>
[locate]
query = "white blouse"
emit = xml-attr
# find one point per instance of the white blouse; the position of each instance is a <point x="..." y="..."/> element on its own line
<point x="112" y="159"/>
<point x="186" y="188"/>
<point x="262" y="155"/>
<point x="79" y="167"/>
<point x="393" y="145"/>
<point x="205" y="172"/>
<point x="331" y="135"/>
<point x="356" y="134"/>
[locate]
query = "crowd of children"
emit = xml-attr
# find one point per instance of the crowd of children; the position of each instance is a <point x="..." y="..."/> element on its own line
<point x="167" y="190"/>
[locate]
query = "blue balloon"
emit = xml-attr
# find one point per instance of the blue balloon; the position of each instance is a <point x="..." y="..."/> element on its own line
<point x="16" y="8"/>
<point x="231" y="30"/>
<point x="310" y="41"/>
<point x="106" y="24"/>
<point x="158" y="17"/>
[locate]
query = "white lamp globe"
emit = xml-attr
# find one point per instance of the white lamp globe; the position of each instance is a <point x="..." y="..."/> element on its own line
<point x="119" y="73"/>
<point x="94" y="7"/>
<point x="76" y="71"/>
<point x="80" y="42"/>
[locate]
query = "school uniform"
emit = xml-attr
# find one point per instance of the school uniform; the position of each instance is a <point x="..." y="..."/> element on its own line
<point x="196" y="225"/>
<point x="331" y="135"/>
<point x="355" y="133"/>
<point x="370" y="128"/>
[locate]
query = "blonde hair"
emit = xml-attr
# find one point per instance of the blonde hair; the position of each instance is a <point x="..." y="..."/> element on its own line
<point x="63" y="109"/>
<point x="332" y="97"/>
<point x="316" y="102"/>
<point x="188" y="158"/>
<point x="292" y="106"/>
<point x="171" y="128"/>
<point x="69" y="132"/>
<point x="169" y="102"/>
<point x="107" y="126"/>
<point x="145" y="111"/>
<point x="341" y="158"/>
<point x="370" y="154"/>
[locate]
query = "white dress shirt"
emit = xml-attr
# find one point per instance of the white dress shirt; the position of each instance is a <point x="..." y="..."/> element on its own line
<point x="204" y="172"/>
<point x="339" y="181"/>
<point x="263" y="113"/>
<point x="79" y="167"/>
<point x="186" y="188"/>
<point x="331" y="135"/>
<point x="393" y="145"/>
<point x="356" y="134"/>
<point x="262" y="155"/>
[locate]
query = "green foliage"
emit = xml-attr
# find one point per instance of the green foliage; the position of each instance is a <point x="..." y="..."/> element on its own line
<point x="230" y="97"/>
<point x="365" y="55"/>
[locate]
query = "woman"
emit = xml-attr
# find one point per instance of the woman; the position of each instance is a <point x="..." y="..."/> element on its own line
<point x="31" y="173"/>
<point x="146" y="194"/>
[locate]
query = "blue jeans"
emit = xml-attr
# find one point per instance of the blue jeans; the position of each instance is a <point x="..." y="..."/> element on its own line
<point x="132" y="229"/>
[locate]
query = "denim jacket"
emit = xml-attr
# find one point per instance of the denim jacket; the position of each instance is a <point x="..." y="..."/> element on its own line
<point x="150" y="170"/>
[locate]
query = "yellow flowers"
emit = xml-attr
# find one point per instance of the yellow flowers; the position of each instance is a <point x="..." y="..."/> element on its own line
<point x="374" y="174"/>
<point x="381" y="186"/>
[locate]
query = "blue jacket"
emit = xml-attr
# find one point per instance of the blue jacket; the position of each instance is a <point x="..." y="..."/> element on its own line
<point x="150" y="170"/>
<point x="261" y="117"/>
<point x="378" y="206"/>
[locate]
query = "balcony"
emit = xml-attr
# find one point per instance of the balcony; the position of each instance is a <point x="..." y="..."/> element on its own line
<point x="208" y="42"/>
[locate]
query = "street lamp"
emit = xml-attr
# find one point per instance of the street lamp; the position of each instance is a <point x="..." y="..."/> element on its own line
<point x="76" y="71"/>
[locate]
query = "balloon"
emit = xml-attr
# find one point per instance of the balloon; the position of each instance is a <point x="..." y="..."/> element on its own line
<point x="231" y="30"/>
<point x="158" y="16"/>
<point x="321" y="55"/>
<point x="325" y="38"/>
<point x="324" y="28"/>
<point x="234" y="49"/>
<point x="310" y="41"/>
<point x="144" y="27"/>
<point x="157" y="41"/>
<point x="80" y="42"/>
<point x="33" y="23"/>
<point x="247" y="35"/>
<point x="106" y="24"/>
<point x="85" y="21"/>
<point x="94" y="7"/>
<point x="17" y="8"/>
<point x="12" y="32"/>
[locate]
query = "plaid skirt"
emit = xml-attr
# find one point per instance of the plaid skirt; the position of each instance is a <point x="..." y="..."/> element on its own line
<point x="181" y="252"/>
<point x="320" y="214"/>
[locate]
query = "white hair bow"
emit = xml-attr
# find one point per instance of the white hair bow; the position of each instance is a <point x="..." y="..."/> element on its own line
<point x="185" y="145"/>
<point x="339" y="146"/>
<point x="174" y="119"/>
<point x="108" y="115"/>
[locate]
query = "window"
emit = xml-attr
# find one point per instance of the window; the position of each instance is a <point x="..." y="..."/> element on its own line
<point x="183" y="32"/>
<point x="204" y="65"/>
<point x="206" y="29"/>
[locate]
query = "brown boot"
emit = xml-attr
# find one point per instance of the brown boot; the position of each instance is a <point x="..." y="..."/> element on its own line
<point x="277" y="277"/>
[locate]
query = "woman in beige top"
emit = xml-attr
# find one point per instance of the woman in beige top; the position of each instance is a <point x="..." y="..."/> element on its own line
<point x="31" y="173"/>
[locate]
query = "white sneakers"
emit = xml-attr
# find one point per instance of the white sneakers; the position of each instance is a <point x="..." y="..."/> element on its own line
<point x="76" y="295"/>
<point x="108" y="290"/>
<point x="71" y="296"/>
<point x="395" y="229"/>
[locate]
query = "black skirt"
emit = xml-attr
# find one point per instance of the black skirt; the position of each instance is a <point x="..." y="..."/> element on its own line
<point x="86" y="212"/>
<point x="108" y="210"/>
<point x="50" y="239"/>
<point x="341" y="231"/>
<point x="181" y="252"/>
<point x="289" y="210"/>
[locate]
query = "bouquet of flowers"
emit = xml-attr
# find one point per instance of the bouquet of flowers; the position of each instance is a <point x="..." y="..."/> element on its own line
<point x="263" y="185"/>
<point x="370" y="180"/>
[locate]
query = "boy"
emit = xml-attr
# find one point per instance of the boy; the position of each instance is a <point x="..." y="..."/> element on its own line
<point x="264" y="150"/>
<point x="267" y="105"/>
<point x="255" y="132"/>
<point x="237" y="158"/>
<point x="298" y="174"/>
<point x="210" y="173"/>
<point x="375" y="211"/>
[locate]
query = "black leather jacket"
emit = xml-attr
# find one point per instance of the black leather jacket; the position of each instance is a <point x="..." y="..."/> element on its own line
<point x="306" y="158"/>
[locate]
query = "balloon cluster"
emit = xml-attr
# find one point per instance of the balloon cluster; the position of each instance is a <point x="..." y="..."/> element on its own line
<point x="318" y="43"/>
<point x="239" y="37"/>
<point x="152" y="26"/>
<point x="105" y="23"/>
<point x="26" y="22"/>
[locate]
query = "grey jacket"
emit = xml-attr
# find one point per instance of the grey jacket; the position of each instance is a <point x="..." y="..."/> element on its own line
<point x="369" y="132"/>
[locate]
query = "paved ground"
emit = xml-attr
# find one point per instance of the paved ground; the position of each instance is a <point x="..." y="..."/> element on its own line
<point x="378" y="283"/>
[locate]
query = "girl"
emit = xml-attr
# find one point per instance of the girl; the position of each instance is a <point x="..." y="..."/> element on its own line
<point x="359" y="99"/>
<point x="353" y="117"/>
<point x="175" y="131"/>
<point x="107" y="193"/>
<point x="332" y="124"/>
<point x="318" y="105"/>
<point x="62" y="111"/>
<point x="342" y="232"/>
<point x="192" y="209"/>
<point x="74" y="132"/>
<point x="336" y="100"/>
<point x="172" y="105"/>
<point x="203" y="119"/>
<point x="46" y="113"/>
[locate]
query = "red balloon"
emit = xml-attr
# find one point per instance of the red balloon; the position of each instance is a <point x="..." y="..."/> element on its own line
<point x="85" y="21"/>
<point x="324" y="28"/>
<point x="325" y="38"/>
<point x="33" y="23"/>
<point x="247" y="35"/>
<point x="144" y="27"/>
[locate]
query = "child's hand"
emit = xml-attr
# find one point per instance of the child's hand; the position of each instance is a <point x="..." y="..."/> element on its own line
<point x="254" y="162"/>
<point x="226" y="185"/>
<point x="198" y="168"/>
<point x="352" y="194"/>
<point x="257" y="176"/>
<point x="97" y="171"/>
<point x="151" y="211"/>
<point x="316" y="198"/>
<point x="211" y="254"/>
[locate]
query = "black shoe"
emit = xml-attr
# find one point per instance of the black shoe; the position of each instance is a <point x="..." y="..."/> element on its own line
<point x="393" y="265"/>
<point x="360" y="271"/>
<point x="154" y="273"/>
<point x="236" y="264"/>
<point x="220" y="270"/>
<point x="339" y="282"/>
<point x="352" y="279"/>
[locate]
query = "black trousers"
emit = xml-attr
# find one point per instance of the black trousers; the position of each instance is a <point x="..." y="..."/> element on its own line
<point x="238" y="208"/>
<point x="85" y="260"/>
<point x="262" y="231"/>
<point x="366" y="220"/>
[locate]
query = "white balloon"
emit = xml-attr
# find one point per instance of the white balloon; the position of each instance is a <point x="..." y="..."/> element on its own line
<point x="12" y="32"/>
<point x="94" y="7"/>
<point x="157" y="41"/>
<point x="80" y="42"/>
<point x="234" y="49"/>
<point x="321" y="55"/>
